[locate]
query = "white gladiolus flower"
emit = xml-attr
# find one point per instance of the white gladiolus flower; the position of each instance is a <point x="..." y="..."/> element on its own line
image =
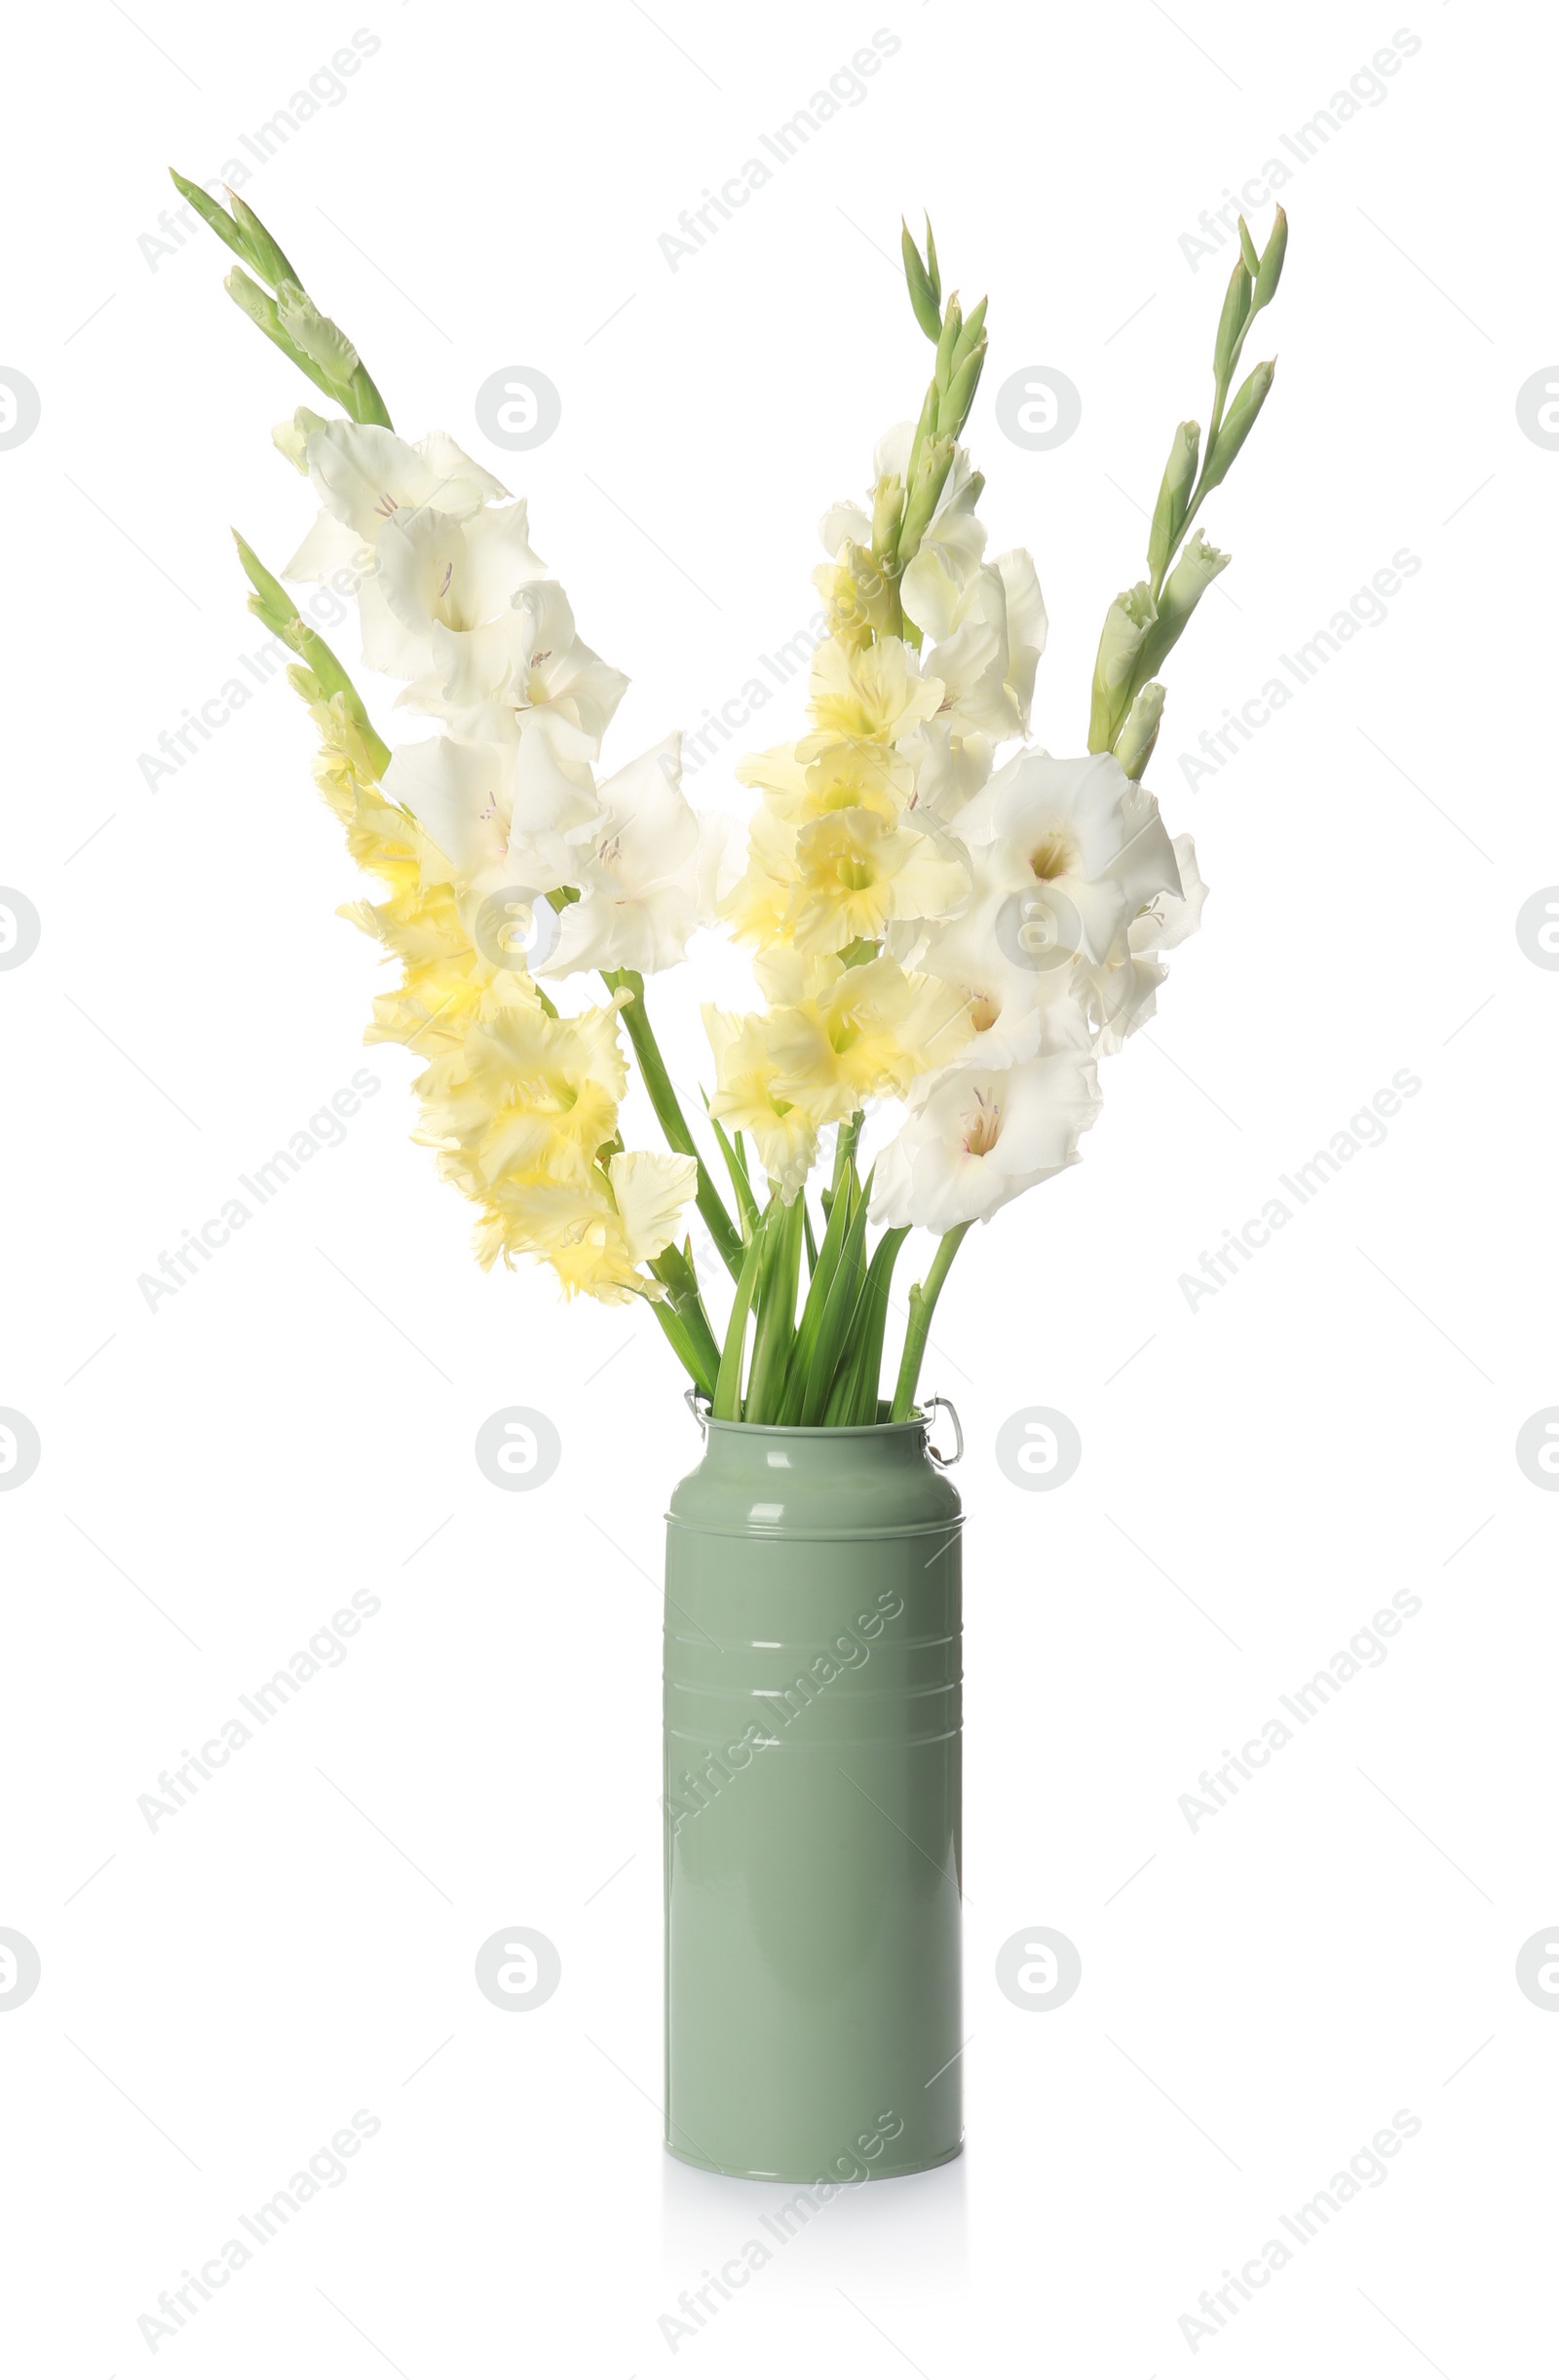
<point x="365" y="475"/>
<point x="527" y="663"/>
<point x="1080" y="831"/>
<point x="976" y="1137"/>
<point x="502" y="814"/>
<point x="1124" y="996"/>
<point x="438" y="580"/>
<point x="647" y="875"/>
<point x="987" y="626"/>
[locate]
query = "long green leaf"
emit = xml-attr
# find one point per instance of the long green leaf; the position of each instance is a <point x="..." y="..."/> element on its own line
<point x="843" y="1295"/>
<point x="824" y="1266"/>
<point x="735" y="1166"/>
<point x="858" y="1405"/>
<point x="727" y="1404"/>
<point x="777" y="1313"/>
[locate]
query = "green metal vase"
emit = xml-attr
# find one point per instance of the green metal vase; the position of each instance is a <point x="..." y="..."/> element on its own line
<point x="812" y="1786"/>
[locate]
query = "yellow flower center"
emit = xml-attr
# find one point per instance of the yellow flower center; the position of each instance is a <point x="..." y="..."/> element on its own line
<point x="1050" y="857"/>
<point x="984" y="1127"/>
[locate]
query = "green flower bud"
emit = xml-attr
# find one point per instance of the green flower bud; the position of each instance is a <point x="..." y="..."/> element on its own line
<point x="1174" y="495"/>
<point x="1134" y="744"/>
<point x="952" y="411"/>
<point x="292" y="438"/>
<point x="952" y="325"/>
<point x="925" y="428"/>
<point x="270" y="601"/>
<point x="1239" y="422"/>
<point x="1187" y="584"/>
<point x="969" y="337"/>
<point x="211" y="212"/>
<point x="315" y="335"/>
<point x="1272" y="261"/>
<point x="1127" y="623"/>
<point x="922" y="294"/>
<point x="888" y="503"/>
<point x="937" y="460"/>
<point x="1232" y="322"/>
<point x="264" y="254"/>
<point x="1247" y="249"/>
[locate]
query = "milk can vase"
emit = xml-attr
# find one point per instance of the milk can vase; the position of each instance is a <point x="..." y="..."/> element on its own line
<point x="813" y="1780"/>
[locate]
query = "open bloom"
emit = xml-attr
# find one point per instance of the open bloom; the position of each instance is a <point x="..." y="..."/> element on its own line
<point x="1082" y="831"/>
<point x="1122" y="995"/>
<point x="975" y="1137"/>
<point x="595" y="1233"/>
<point x="748" y="1098"/>
<point x="646" y="876"/>
<point x="869" y="1034"/>
<point x="878" y="692"/>
<point x="438" y="581"/>
<point x="845" y="877"/>
<point x="506" y="813"/>
<point x="366" y="477"/>
<point x="524" y="665"/>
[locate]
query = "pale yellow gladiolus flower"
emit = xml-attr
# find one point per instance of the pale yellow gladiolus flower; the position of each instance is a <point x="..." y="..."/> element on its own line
<point x="868" y="1035"/>
<point x="783" y="1130"/>
<point x="876" y="693"/>
<point x="853" y="874"/>
<point x="595" y="1233"/>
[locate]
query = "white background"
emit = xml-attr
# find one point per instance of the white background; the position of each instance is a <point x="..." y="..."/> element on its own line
<point x="1259" y="1995"/>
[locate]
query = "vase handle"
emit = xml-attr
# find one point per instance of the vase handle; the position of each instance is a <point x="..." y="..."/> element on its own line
<point x="944" y="1463"/>
<point x="699" y="1407"/>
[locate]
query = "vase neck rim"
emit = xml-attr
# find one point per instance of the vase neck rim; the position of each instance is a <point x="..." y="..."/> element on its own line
<point x="752" y="1431"/>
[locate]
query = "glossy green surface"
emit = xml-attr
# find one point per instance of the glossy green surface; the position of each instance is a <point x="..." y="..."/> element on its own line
<point x="813" y="1805"/>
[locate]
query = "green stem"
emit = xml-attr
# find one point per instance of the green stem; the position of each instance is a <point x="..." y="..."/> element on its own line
<point x="845" y="1152"/>
<point x="668" y="1114"/>
<point x="922" y="1305"/>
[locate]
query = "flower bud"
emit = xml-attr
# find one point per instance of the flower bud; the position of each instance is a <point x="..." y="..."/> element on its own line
<point x="887" y="503"/>
<point x="937" y="460"/>
<point x="206" y="207"/>
<point x="264" y="254"/>
<point x="292" y="438"/>
<point x="315" y="335"/>
<point x="952" y="325"/>
<point x="1231" y="322"/>
<point x="1127" y="623"/>
<point x="1239" y="422"/>
<point x="1271" y="262"/>
<point x="922" y="294"/>
<point x="969" y="337"/>
<point x="1174" y="493"/>
<point x="952" y="410"/>
<point x="1134" y="744"/>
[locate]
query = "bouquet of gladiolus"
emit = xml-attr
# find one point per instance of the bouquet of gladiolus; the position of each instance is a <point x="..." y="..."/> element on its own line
<point x="930" y="923"/>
